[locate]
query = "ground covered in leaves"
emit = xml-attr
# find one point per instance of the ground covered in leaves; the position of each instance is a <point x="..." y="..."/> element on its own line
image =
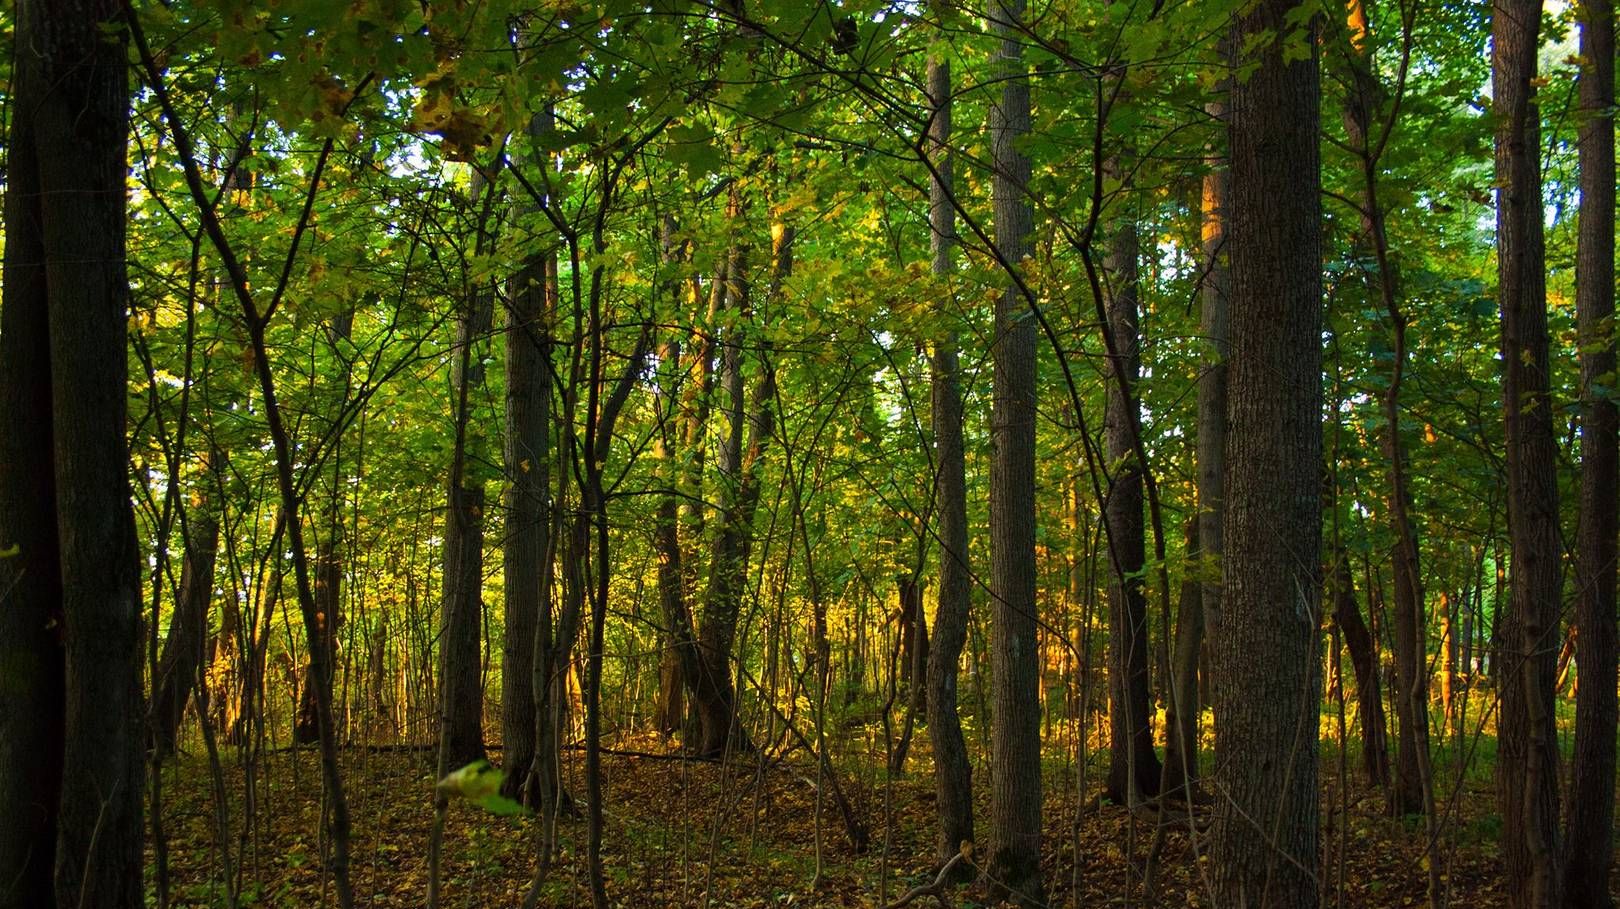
<point x="694" y="833"/>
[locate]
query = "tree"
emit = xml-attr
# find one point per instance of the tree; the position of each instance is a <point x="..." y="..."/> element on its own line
<point x="1014" y="866"/>
<point x="188" y="632"/>
<point x="1133" y="766"/>
<point x="77" y="685"/>
<point x="1589" y="834"/>
<point x="953" y="774"/>
<point x="1265" y="631"/>
<point x="1527" y="768"/>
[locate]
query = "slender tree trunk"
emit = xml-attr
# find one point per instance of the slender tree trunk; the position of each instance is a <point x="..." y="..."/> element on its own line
<point x="953" y="774"/>
<point x="1014" y="866"/>
<point x="1527" y="768"/>
<point x="739" y="469"/>
<point x="1181" y="751"/>
<point x="1266" y="629"/>
<point x="1133" y="765"/>
<point x="188" y="633"/>
<point x="1589" y="836"/>
<point x="328" y="615"/>
<point x="1364" y="660"/>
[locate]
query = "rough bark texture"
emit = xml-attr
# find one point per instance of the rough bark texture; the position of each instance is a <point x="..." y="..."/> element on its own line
<point x="528" y="470"/>
<point x="1133" y="765"/>
<point x="74" y="728"/>
<point x="1014" y="866"/>
<point x="1590" y="832"/>
<point x="1266" y="630"/>
<point x="953" y="774"/>
<point x="1527" y="766"/>
<point x="183" y="649"/>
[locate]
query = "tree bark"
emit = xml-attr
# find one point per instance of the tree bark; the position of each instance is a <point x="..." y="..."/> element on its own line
<point x="953" y="774"/>
<point x="1266" y="630"/>
<point x="1527" y="768"/>
<point x="73" y="758"/>
<point x="1590" y="832"/>
<point x="1014" y="866"/>
<point x="528" y="468"/>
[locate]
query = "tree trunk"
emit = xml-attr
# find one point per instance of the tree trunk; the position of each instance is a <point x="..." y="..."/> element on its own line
<point x="528" y="519"/>
<point x="461" y="695"/>
<point x="1266" y="629"/>
<point x="188" y="633"/>
<point x="1133" y="765"/>
<point x="1364" y="659"/>
<point x="1181" y="751"/>
<point x="1589" y="836"/>
<point x="32" y="699"/>
<point x="740" y="488"/>
<point x="1527" y="768"/>
<point x="328" y="615"/>
<point x="70" y="728"/>
<point x="1014" y="866"/>
<point x="953" y="774"/>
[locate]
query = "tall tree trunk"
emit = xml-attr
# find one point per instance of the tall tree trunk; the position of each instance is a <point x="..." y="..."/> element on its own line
<point x="528" y="468"/>
<point x="461" y="697"/>
<point x="1589" y="836"/>
<point x="1527" y="769"/>
<point x="953" y="774"/>
<point x="1014" y="866"/>
<point x="32" y="685"/>
<point x="1181" y="751"/>
<point x="70" y="728"/>
<point x="739" y="469"/>
<point x="1133" y="765"/>
<point x="188" y="632"/>
<point x="1411" y="793"/>
<point x="1266" y="630"/>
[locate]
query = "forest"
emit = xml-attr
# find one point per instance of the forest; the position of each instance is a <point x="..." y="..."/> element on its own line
<point x="863" y="453"/>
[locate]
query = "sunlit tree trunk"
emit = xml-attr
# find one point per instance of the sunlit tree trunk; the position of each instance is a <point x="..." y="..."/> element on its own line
<point x="1527" y="767"/>
<point x="1014" y="866"/>
<point x="1265" y="632"/>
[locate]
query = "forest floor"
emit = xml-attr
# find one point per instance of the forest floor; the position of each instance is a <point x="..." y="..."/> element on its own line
<point x="700" y="834"/>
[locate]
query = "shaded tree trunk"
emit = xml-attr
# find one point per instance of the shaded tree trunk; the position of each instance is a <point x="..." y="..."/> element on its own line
<point x="1014" y="866"/>
<point x="1589" y="836"/>
<point x="953" y="774"/>
<point x="1181" y="750"/>
<point x="528" y="469"/>
<point x="188" y="633"/>
<point x="1364" y="660"/>
<point x="1133" y="765"/>
<point x="70" y="728"/>
<point x="1527" y="768"/>
<point x="461" y="694"/>
<point x="1266" y="630"/>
